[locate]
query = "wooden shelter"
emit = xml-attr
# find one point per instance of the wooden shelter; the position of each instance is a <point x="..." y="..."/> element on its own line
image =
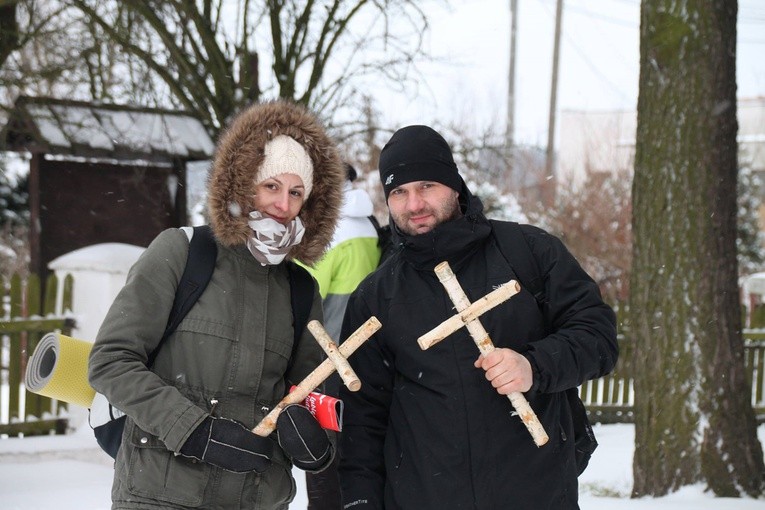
<point x="102" y="173"/>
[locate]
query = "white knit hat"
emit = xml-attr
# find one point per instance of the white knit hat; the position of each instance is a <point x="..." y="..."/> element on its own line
<point x="286" y="156"/>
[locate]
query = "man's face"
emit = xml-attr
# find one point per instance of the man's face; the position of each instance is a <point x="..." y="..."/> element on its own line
<point x="417" y="207"/>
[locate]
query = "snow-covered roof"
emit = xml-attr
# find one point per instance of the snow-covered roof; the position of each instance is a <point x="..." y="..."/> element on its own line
<point x="56" y="126"/>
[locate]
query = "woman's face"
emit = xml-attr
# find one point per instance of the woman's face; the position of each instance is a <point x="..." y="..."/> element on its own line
<point x="280" y="197"/>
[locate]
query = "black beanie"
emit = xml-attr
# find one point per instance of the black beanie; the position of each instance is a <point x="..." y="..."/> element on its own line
<point x="417" y="153"/>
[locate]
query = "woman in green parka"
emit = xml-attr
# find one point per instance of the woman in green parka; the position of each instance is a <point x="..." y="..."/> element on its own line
<point x="273" y="195"/>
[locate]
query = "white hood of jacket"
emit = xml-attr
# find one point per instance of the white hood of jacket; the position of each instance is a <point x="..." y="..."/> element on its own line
<point x="354" y="216"/>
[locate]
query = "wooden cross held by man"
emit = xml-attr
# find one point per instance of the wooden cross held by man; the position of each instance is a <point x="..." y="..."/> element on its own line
<point x="468" y="316"/>
<point x="336" y="360"/>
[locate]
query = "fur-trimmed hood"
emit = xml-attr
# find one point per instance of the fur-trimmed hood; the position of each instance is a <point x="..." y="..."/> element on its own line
<point x="238" y="158"/>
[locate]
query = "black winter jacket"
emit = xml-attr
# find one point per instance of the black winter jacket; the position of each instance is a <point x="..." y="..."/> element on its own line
<point x="427" y="430"/>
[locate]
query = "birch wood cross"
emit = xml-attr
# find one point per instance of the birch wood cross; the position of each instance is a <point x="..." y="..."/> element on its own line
<point x="336" y="360"/>
<point x="468" y="316"/>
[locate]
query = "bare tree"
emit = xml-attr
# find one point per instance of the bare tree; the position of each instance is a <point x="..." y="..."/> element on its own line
<point x="39" y="49"/>
<point x="210" y="57"/>
<point x="593" y="217"/>
<point x="9" y="30"/>
<point x="694" y="421"/>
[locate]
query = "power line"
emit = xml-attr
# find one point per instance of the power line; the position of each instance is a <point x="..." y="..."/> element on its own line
<point x="584" y="56"/>
<point x="594" y="68"/>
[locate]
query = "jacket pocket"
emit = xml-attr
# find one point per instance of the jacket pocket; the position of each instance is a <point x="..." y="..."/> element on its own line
<point x="157" y="473"/>
<point x="193" y="356"/>
<point x="204" y="326"/>
<point x="276" y="356"/>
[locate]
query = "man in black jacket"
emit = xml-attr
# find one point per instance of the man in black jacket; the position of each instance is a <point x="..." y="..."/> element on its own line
<point x="434" y="429"/>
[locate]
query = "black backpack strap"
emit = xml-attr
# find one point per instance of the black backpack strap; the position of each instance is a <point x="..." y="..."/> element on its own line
<point x="373" y="221"/>
<point x="384" y="240"/>
<point x="200" y="265"/>
<point x="514" y="247"/>
<point x="301" y="298"/>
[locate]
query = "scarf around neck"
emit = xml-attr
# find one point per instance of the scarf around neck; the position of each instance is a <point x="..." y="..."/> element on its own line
<point x="271" y="241"/>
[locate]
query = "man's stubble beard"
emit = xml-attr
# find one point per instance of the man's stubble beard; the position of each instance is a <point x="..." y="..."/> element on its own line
<point x="449" y="211"/>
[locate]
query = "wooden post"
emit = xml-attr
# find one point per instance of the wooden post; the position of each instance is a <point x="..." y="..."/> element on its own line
<point x="315" y="378"/>
<point x="469" y="317"/>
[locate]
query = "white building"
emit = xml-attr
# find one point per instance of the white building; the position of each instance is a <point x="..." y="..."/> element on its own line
<point x="604" y="141"/>
<point x="595" y="141"/>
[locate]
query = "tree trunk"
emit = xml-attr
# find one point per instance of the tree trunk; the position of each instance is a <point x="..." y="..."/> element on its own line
<point x="9" y="30"/>
<point x="693" y="417"/>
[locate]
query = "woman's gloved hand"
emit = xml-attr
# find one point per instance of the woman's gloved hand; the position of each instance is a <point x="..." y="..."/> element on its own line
<point x="228" y="444"/>
<point x="302" y="438"/>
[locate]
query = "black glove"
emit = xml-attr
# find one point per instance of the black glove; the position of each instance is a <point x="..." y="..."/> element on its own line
<point x="228" y="444"/>
<point x="302" y="438"/>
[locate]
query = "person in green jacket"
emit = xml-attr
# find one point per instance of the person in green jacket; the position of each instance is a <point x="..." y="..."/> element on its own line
<point x="352" y="255"/>
<point x="274" y="194"/>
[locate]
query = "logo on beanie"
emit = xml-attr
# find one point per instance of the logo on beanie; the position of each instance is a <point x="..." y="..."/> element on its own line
<point x="389" y="180"/>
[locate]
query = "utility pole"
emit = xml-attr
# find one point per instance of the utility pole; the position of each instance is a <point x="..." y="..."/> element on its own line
<point x="510" y="125"/>
<point x="549" y="170"/>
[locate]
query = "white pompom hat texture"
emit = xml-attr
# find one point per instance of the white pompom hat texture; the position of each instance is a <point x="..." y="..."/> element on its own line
<point x="284" y="155"/>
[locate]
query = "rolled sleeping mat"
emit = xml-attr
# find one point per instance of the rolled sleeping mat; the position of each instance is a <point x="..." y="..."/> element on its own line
<point x="59" y="369"/>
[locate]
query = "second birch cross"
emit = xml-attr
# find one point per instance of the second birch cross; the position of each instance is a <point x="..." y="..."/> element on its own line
<point x="468" y="316"/>
<point x="336" y="361"/>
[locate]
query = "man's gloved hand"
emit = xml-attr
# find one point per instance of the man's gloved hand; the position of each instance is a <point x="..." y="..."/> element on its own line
<point x="228" y="444"/>
<point x="302" y="438"/>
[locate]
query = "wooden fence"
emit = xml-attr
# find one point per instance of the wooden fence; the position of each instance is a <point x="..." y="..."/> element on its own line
<point x="24" y="319"/>
<point x="611" y="399"/>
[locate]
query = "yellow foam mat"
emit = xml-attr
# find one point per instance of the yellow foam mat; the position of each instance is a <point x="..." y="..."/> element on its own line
<point x="59" y="369"/>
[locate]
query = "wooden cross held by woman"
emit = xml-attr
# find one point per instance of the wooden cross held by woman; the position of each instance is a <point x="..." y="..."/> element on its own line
<point x="468" y="316"/>
<point x="336" y="360"/>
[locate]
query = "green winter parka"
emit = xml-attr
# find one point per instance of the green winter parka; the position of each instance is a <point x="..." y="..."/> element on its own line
<point x="232" y="355"/>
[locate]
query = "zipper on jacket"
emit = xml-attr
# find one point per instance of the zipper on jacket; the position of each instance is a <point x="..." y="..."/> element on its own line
<point x="213" y="404"/>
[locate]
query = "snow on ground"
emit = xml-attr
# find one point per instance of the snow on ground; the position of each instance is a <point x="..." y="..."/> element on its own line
<point x="72" y="473"/>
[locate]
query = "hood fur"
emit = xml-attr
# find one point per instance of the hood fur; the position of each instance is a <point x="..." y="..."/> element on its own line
<point x="238" y="158"/>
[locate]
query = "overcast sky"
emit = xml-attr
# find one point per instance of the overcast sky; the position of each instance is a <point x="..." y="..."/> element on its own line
<point x="599" y="62"/>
